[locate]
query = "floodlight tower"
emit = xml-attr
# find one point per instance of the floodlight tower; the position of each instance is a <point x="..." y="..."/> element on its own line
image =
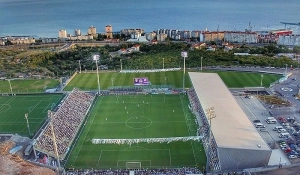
<point x="10" y="87"/>
<point x="210" y="113"/>
<point x="96" y="58"/>
<point x="50" y="115"/>
<point x="184" y="55"/>
<point x="26" y="117"/>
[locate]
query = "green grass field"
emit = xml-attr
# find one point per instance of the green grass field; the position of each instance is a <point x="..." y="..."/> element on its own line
<point x="88" y="81"/>
<point x="138" y="116"/>
<point x="13" y="109"/>
<point x="28" y="86"/>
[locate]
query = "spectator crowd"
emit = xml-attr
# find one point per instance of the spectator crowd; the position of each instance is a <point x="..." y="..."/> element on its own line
<point x="66" y="122"/>
<point x="175" y="171"/>
<point x="208" y="140"/>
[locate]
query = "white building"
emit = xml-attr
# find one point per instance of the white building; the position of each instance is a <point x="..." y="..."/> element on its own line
<point x="77" y="32"/>
<point x="62" y="34"/>
<point x="289" y="40"/>
<point x="161" y="37"/>
<point x="240" y="37"/>
<point x="92" y="31"/>
<point x="150" y="36"/>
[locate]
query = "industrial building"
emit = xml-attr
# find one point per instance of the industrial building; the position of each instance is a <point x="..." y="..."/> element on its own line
<point x="230" y="140"/>
<point x="240" y="37"/>
<point x="289" y="40"/>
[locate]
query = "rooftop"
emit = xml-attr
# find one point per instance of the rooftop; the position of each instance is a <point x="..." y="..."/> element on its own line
<point x="231" y="127"/>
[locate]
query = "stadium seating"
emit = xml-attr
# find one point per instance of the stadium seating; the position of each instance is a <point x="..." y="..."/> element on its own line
<point x="208" y="141"/>
<point x="175" y="171"/>
<point x="66" y="122"/>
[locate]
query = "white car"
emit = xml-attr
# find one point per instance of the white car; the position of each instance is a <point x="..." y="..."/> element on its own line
<point x="293" y="156"/>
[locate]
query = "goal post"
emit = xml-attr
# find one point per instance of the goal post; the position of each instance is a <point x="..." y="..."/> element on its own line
<point x="133" y="165"/>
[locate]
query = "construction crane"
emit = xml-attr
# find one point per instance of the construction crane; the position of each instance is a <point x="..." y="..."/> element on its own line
<point x="290" y="23"/>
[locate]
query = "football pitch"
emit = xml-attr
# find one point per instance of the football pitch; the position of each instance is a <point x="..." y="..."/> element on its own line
<point x="88" y="81"/>
<point x="27" y="86"/>
<point x="136" y="117"/>
<point x="14" y="108"/>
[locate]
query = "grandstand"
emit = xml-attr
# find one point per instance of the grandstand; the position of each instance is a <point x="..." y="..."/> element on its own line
<point x="66" y="122"/>
<point x="230" y="140"/>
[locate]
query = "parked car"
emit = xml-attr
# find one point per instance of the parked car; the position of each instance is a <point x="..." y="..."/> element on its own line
<point x="277" y="127"/>
<point x="281" y="130"/>
<point x="256" y="121"/>
<point x="263" y="129"/>
<point x="282" y="119"/>
<point x="293" y="156"/>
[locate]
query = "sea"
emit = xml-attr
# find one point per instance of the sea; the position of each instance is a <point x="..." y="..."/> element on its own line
<point x="44" y="18"/>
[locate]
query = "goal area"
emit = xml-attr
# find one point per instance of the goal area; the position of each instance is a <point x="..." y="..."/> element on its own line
<point x="133" y="165"/>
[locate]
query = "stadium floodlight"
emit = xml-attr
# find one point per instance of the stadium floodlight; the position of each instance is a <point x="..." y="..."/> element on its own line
<point x="26" y="117"/>
<point x="10" y="87"/>
<point x="112" y="82"/>
<point x="121" y="64"/>
<point x="210" y="113"/>
<point x="96" y="58"/>
<point x="50" y="115"/>
<point x="261" y="79"/>
<point x="184" y="55"/>
<point x="165" y="81"/>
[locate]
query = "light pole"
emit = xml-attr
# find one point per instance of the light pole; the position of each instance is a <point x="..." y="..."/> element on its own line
<point x="79" y="67"/>
<point x="184" y="55"/>
<point x="285" y="69"/>
<point x="261" y="78"/>
<point x="165" y="81"/>
<point x="10" y="87"/>
<point x="163" y="63"/>
<point x="112" y="82"/>
<point x="96" y="58"/>
<point x="201" y="63"/>
<point x="50" y="115"/>
<point x="121" y="64"/>
<point x="26" y="117"/>
<point x="210" y="112"/>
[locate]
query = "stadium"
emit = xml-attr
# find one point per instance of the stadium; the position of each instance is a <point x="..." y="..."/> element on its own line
<point x="151" y="125"/>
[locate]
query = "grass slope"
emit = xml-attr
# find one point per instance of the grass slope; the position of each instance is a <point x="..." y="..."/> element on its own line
<point x="88" y="81"/>
<point x="28" y="86"/>
<point x="139" y="116"/>
<point x="13" y="109"/>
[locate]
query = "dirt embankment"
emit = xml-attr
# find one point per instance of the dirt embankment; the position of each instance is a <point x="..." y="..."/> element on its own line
<point x="15" y="164"/>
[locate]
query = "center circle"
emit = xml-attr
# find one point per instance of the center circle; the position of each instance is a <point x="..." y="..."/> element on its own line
<point x="138" y="122"/>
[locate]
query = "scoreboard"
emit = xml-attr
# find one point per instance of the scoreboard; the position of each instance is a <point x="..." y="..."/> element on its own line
<point x="141" y="81"/>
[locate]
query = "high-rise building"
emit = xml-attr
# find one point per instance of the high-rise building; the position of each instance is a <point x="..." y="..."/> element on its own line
<point x="77" y="32"/>
<point x="62" y="34"/>
<point x="108" y="31"/>
<point x="92" y="31"/>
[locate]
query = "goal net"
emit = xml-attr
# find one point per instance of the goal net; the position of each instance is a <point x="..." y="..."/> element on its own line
<point x="133" y="165"/>
<point x="5" y="94"/>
